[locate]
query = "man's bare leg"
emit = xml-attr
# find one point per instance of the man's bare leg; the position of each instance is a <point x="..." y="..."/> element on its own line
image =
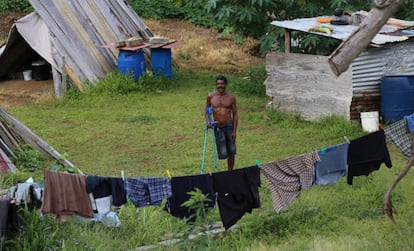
<point x="230" y="163"/>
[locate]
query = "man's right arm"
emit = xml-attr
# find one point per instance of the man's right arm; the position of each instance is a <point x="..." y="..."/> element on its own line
<point x="208" y="104"/>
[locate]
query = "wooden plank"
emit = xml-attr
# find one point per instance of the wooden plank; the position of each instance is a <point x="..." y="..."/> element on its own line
<point x="6" y="149"/>
<point x="31" y="138"/>
<point x="57" y="83"/>
<point x="85" y="25"/>
<point x="7" y="162"/>
<point x="10" y="139"/>
<point x="62" y="41"/>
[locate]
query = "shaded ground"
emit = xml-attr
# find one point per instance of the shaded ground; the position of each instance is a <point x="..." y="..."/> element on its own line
<point x="201" y="48"/>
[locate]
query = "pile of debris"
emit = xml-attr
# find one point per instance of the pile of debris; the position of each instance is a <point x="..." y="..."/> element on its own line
<point x="14" y="135"/>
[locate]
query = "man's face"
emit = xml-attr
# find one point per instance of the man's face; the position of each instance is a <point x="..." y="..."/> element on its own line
<point x="221" y="86"/>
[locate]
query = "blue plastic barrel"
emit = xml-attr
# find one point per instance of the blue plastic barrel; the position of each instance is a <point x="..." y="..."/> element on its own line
<point x="397" y="97"/>
<point x="161" y="62"/>
<point x="132" y="62"/>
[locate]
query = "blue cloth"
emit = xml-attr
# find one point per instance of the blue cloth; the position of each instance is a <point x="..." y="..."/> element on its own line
<point x="410" y="122"/>
<point x="332" y="165"/>
<point x="147" y="191"/>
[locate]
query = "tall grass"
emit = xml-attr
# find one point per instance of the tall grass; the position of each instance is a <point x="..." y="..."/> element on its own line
<point x="147" y="133"/>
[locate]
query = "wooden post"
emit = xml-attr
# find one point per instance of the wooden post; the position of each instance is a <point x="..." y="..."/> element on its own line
<point x="287" y="41"/>
<point x="350" y="48"/>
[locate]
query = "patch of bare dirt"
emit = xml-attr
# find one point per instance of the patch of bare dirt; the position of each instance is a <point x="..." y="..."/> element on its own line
<point x="200" y="49"/>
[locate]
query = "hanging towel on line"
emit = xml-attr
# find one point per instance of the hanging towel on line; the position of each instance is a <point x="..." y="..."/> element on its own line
<point x="180" y="188"/>
<point x="332" y="165"/>
<point x="286" y="178"/>
<point x="366" y="154"/>
<point x="65" y="194"/>
<point x="237" y="193"/>
<point x="147" y="191"/>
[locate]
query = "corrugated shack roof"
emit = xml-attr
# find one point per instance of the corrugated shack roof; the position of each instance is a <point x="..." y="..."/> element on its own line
<point x="395" y="30"/>
<point x="69" y="35"/>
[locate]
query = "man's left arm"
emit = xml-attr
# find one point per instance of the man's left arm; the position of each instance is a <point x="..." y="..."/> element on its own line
<point x="235" y="119"/>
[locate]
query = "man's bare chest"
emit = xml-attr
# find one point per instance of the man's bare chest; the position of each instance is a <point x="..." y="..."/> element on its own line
<point x="221" y="101"/>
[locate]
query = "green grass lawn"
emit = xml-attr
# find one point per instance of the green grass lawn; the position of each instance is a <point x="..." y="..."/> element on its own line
<point x="146" y="133"/>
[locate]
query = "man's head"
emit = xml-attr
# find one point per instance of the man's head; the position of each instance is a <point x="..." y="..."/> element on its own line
<point x="221" y="83"/>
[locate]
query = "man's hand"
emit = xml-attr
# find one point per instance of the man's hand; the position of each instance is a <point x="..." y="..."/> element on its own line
<point x="233" y="136"/>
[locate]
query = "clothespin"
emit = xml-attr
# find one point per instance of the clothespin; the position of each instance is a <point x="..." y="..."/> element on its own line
<point x="346" y="139"/>
<point x="257" y="163"/>
<point x="209" y="171"/>
<point x="122" y="175"/>
<point x="168" y="174"/>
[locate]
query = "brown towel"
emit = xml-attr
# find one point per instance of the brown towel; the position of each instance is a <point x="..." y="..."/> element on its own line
<point x="65" y="194"/>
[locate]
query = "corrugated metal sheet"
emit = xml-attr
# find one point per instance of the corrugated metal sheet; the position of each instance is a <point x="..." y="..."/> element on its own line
<point x="343" y="31"/>
<point x="80" y="27"/>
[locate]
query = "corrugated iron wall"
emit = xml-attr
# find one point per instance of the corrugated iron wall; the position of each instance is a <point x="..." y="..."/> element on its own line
<point x="369" y="68"/>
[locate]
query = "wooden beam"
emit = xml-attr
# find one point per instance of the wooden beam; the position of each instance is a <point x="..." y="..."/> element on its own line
<point x="351" y="47"/>
<point x="31" y="138"/>
<point x="288" y="43"/>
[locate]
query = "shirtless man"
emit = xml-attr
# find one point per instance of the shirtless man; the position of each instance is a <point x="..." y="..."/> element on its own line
<point x="225" y="114"/>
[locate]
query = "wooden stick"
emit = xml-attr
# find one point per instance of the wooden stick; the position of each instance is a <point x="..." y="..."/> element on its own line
<point x="387" y="206"/>
<point x="351" y="47"/>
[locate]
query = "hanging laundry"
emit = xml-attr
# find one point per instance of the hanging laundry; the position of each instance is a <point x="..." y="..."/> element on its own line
<point x="65" y="195"/>
<point x="102" y="187"/>
<point x="398" y="134"/>
<point x="147" y="191"/>
<point x="4" y="215"/>
<point x="286" y="178"/>
<point x="237" y="193"/>
<point x="366" y="154"/>
<point x="332" y="165"/>
<point x="410" y="122"/>
<point x="180" y="188"/>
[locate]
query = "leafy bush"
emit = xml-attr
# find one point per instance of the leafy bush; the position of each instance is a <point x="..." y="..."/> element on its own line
<point x="116" y="83"/>
<point x="253" y="84"/>
<point x="156" y="9"/>
<point x="29" y="160"/>
<point x="14" y="5"/>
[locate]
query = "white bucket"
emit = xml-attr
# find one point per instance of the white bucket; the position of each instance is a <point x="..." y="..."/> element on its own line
<point x="370" y="121"/>
<point x="27" y="75"/>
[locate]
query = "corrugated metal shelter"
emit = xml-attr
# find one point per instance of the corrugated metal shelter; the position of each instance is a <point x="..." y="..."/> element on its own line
<point x="68" y="34"/>
<point x="391" y="52"/>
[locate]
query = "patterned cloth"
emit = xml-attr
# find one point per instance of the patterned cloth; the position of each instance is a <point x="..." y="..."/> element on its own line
<point x="286" y="178"/>
<point x="398" y="134"/>
<point x="332" y="165"/>
<point x="147" y="191"/>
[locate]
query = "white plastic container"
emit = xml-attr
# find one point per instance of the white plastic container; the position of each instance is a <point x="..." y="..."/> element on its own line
<point x="370" y="121"/>
<point x="27" y="75"/>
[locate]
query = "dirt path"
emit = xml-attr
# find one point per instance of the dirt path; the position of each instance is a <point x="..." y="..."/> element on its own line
<point x="19" y="92"/>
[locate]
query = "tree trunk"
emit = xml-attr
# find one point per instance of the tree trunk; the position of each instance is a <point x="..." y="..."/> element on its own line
<point x="350" y="48"/>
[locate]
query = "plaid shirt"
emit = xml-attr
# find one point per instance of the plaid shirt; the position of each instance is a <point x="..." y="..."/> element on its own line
<point x="147" y="191"/>
<point x="398" y="134"/>
<point x="286" y="178"/>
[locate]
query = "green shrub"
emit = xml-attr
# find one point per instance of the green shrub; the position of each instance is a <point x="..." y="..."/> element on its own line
<point x="116" y="83"/>
<point x="29" y="160"/>
<point x="14" y="5"/>
<point x="252" y="84"/>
